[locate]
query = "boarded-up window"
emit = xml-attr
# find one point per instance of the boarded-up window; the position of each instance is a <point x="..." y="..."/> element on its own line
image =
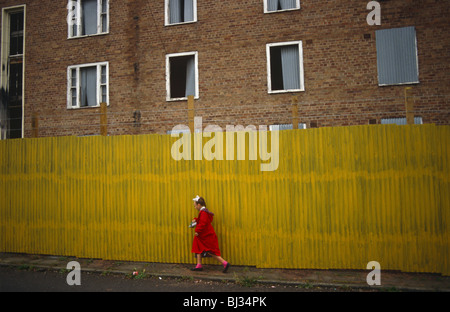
<point x="397" y="56"/>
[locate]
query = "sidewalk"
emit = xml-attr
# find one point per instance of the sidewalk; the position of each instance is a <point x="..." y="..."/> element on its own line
<point x="347" y="279"/>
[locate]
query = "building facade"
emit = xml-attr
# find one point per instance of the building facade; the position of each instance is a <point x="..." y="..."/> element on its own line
<point x="255" y="62"/>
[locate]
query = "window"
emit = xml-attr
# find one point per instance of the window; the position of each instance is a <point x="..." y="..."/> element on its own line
<point x="286" y="127"/>
<point x="12" y="78"/>
<point x="400" y="121"/>
<point x="88" y="17"/>
<point x="397" y="56"/>
<point x="285" y="67"/>
<point x="181" y="75"/>
<point x="180" y="11"/>
<point x="87" y="85"/>
<point x="280" y="5"/>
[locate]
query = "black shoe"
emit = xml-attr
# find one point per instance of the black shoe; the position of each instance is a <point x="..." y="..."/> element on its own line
<point x="226" y="268"/>
<point x="197" y="269"/>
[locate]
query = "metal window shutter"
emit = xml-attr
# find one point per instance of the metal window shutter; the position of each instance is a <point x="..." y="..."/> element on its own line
<point x="397" y="56"/>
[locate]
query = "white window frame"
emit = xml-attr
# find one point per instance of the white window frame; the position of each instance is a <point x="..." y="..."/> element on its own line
<point x="168" y="57"/>
<point x="5" y="46"/>
<point x="78" y="80"/>
<point x="297" y="7"/>
<point x="269" y="75"/>
<point x="99" y="20"/>
<point x="167" y="14"/>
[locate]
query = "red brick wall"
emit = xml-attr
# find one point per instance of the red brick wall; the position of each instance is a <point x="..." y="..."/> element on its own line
<point x="340" y="64"/>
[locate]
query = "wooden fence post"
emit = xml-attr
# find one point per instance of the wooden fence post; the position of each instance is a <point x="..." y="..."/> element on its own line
<point x="295" y="112"/>
<point x="103" y="120"/>
<point x="35" y="125"/>
<point x="409" y="106"/>
<point x="191" y="112"/>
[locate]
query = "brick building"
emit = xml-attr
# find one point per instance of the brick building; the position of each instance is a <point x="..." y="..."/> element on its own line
<point x="244" y="62"/>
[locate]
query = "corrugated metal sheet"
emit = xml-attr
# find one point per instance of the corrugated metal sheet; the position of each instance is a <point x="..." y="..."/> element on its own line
<point x="397" y="56"/>
<point x="341" y="197"/>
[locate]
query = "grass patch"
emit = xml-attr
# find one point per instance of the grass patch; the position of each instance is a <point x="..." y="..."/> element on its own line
<point x="136" y="274"/>
<point x="246" y="281"/>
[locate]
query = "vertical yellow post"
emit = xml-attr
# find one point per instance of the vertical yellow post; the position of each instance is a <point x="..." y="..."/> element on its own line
<point x="35" y="125"/>
<point x="103" y="120"/>
<point x="191" y="112"/>
<point x="295" y="112"/>
<point x="409" y="106"/>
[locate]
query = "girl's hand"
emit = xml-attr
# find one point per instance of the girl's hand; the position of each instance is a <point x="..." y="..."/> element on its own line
<point x="196" y="234"/>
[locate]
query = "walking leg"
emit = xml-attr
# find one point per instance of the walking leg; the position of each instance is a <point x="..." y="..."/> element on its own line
<point x="218" y="258"/>
<point x="225" y="264"/>
<point x="199" y="260"/>
<point x="199" y="263"/>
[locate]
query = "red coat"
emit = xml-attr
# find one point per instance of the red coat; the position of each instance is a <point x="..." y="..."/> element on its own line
<point x="207" y="238"/>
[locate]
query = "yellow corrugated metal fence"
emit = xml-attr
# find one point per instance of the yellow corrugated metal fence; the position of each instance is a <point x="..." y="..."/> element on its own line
<point x="340" y="197"/>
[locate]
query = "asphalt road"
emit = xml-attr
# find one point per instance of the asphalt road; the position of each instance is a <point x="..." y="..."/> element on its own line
<point x="16" y="280"/>
<point x="172" y="294"/>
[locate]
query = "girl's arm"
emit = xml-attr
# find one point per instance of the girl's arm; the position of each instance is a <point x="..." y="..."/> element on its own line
<point x="201" y="223"/>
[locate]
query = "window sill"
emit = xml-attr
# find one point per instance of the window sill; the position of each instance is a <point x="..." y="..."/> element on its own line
<point x="87" y="36"/>
<point x="279" y="11"/>
<point x="285" y="91"/>
<point x="85" y="107"/>
<point x="180" y="99"/>
<point x="181" y="23"/>
<point x="398" y="84"/>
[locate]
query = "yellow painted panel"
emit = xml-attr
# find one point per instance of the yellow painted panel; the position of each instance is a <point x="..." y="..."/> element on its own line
<point x="340" y="197"/>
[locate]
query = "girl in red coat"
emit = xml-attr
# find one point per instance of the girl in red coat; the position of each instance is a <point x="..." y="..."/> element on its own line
<point x="205" y="241"/>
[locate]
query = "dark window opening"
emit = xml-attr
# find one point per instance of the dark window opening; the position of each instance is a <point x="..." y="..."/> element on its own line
<point x="12" y="99"/>
<point x="181" y="10"/>
<point x="16" y="34"/>
<point x="178" y="67"/>
<point x="182" y="76"/>
<point x="276" y="71"/>
<point x="14" y="103"/>
<point x="285" y="71"/>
